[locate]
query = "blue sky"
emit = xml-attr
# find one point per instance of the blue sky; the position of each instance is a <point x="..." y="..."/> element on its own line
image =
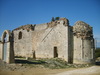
<point x="14" y="13"/>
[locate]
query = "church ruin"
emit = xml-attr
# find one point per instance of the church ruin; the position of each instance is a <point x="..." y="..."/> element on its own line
<point x="6" y="47"/>
<point x="56" y="39"/>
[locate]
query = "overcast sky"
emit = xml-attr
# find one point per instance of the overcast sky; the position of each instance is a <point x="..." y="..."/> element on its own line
<point x="14" y="13"/>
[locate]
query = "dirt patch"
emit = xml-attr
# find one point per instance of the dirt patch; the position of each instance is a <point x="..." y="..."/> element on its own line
<point x="34" y="71"/>
<point x="47" y="67"/>
<point x="27" y="69"/>
<point x="94" y="70"/>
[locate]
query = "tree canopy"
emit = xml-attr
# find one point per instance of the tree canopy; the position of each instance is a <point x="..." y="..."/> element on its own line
<point x="54" y="19"/>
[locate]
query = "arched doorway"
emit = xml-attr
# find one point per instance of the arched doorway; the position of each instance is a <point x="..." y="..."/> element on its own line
<point x="5" y="47"/>
<point x="7" y="54"/>
<point x="55" y="52"/>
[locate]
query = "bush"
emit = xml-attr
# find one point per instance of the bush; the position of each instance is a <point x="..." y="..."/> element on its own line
<point x="97" y="52"/>
<point x="55" y="19"/>
<point x="55" y="63"/>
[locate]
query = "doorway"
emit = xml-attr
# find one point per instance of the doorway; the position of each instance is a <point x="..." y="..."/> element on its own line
<point x="34" y="56"/>
<point x="5" y="48"/>
<point x="55" y="52"/>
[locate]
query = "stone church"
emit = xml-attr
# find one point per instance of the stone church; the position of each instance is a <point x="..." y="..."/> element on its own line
<point x="56" y="39"/>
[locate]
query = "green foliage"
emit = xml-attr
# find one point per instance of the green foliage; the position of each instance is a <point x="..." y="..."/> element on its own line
<point x="53" y="19"/>
<point x="57" y="18"/>
<point x="97" y="52"/>
<point x="54" y="63"/>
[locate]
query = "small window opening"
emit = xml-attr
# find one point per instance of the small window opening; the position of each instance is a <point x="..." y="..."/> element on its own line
<point x="5" y="37"/>
<point x="20" y="35"/>
<point x="55" y="52"/>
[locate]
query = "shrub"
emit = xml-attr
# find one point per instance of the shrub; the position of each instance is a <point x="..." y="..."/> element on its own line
<point x="97" y="52"/>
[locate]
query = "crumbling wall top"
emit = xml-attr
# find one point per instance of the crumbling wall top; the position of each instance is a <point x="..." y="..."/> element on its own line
<point x="82" y="29"/>
<point x="27" y="27"/>
<point x="44" y="25"/>
<point x="54" y="23"/>
<point x="66" y="21"/>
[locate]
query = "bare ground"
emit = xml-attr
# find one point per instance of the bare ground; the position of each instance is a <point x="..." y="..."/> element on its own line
<point x="94" y="70"/>
<point x="33" y="71"/>
<point x="20" y="69"/>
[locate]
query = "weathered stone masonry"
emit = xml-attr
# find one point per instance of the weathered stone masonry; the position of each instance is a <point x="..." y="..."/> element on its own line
<point x="75" y="44"/>
<point x="6" y="47"/>
<point x="83" y="43"/>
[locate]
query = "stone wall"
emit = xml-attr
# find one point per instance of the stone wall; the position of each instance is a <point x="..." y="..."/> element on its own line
<point x="30" y="36"/>
<point x="1" y="44"/>
<point x="83" y="43"/>
<point x="56" y="36"/>
<point x="6" y="47"/>
<point x="83" y="50"/>
<point x="77" y="49"/>
<point x="40" y="27"/>
<point x="88" y="51"/>
<point x="55" y="39"/>
<point x="42" y="41"/>
<point x="23" y="43"/>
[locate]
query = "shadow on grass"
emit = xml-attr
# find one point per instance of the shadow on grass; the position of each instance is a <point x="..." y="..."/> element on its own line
<point x="29" y="62"/>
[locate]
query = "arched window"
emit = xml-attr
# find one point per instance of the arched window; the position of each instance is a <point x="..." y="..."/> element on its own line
<point x="5" y="37"/>
<point x="20" y="35"/>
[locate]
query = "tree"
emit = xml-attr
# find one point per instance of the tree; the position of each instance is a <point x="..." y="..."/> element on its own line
<point x="53" y="19"/>
<point x="57" y="18"/>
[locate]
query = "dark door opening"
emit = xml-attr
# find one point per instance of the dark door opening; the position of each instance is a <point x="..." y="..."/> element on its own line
<point x="55" y="52"/>
<point x="34" y="56"/>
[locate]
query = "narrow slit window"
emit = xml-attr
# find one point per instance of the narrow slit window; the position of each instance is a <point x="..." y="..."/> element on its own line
<point x="20" y="35"/>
